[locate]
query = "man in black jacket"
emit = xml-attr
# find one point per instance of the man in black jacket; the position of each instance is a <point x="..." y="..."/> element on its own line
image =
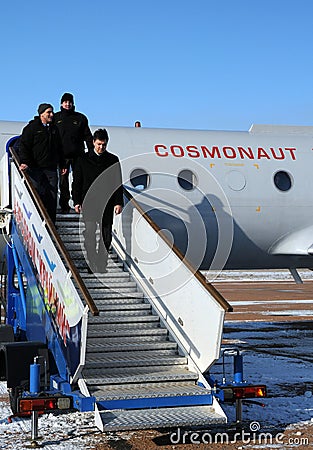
<point x="74" y="131"/>
<point x="97" y="192"/>
<point x="41" y="154"/>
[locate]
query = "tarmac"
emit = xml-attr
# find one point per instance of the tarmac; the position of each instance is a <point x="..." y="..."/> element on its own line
<point x="268" y="301"/>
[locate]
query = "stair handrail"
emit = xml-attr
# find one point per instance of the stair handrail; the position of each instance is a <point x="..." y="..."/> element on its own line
<point x="52" y="230"/>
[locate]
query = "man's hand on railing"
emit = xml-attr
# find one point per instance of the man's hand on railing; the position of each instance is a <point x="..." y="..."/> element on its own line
<point x="78" y="208"/>
<point x="23" y="166"/>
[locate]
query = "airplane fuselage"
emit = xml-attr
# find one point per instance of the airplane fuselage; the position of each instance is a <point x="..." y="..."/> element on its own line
<point x="231" y="199"/>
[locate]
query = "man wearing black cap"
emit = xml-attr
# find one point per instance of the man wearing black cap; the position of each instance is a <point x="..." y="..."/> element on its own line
<point x="74" y="130"/>
<point x="41" y="154"/>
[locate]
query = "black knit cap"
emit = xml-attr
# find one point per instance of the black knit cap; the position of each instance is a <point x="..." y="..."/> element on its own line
<point x="67" y="97"/>
<point x="43" y="106"/>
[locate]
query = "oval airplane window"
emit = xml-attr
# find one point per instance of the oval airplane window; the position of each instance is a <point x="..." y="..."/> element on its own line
<point x="187" y="179"/>
<point x="282" y="180"/>
<point x="140" y="179"/>
<point x="235" y="180"/>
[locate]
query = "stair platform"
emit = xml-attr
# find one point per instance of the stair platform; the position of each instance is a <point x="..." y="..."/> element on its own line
<point x="159" y="418"/>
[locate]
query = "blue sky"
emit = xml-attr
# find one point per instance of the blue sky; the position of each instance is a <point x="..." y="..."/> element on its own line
<point x="221" y="64"/>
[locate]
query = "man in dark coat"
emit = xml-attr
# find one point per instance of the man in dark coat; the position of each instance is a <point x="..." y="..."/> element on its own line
<point x="41" y="154"/>
<point x="97" y="191"/>
<point x="75" y="132"/>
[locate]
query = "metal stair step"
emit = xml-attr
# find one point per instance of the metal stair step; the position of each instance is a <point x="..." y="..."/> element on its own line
<point x="116" y="275"/>
<point x="70" y="231"/>
<point x="122" y="357"/>
<point x="130" y="346"/>
<point x="71" y="216"/>
<point x="171" y="387"/>
<point x="110" y="308"/>
<point x="81" y="263"/>
<point x="63" y="227"/>
<point x="78" y="254"/>
<point x="119" y="319"/>
<point x="138" y="375"/>
<point x="66" y="224"/>
<point x="74" y="230"/>
<point x="100" y="279"/>
<point x="127" y="303"/>
<point x="118" y="289"/>
<point x="114" y="295"/>
<point x="123" y="327"/>
<point x="151" y="396"/>
<point x="123" y="340"/>
<point x="70" y="238"/>
<point x="76" y="246"/>
<point x="129" y="312"/>
<point x="113" y="284"/>
<point x="118" y="420"/>
<point x="121" y="273"/>
<point x="83" y="270"/>
<point x="104" y="283"/>
<point x="135" y="359"/>
<point x="164" y="389"/>
<point x="73" y="246"/>
<point x="95" y="332"/>
<point x="102" y="303"/>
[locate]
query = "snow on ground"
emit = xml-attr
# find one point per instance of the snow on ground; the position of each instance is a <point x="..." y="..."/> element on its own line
<point x="280" y="356"/>
<point x="276" y="354"/>
<point x="67" y="431"/>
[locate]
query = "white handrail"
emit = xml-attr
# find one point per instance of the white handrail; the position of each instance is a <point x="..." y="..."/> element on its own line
<point x="191" y="308"/>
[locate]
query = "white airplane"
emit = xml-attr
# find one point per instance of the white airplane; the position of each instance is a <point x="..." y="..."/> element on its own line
<point x="233" y="200"/>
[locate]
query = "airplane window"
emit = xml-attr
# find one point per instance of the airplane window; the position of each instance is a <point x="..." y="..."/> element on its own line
<point x="139" y="179"/>
<point x="187" y="180"/>
<point x="282" y="181"/>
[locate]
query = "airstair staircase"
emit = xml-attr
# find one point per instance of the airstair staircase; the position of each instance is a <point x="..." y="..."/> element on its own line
<point x="134" y="367"/>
